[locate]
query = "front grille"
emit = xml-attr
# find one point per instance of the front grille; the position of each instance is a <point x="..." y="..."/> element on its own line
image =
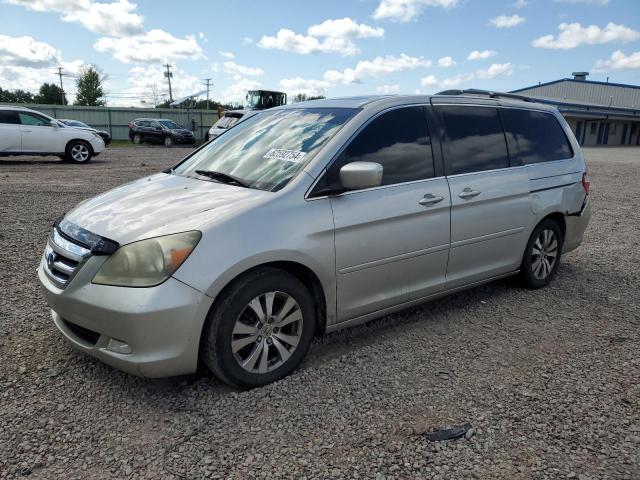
<point x="63" y="259"/>
<point x="82" y="333"/>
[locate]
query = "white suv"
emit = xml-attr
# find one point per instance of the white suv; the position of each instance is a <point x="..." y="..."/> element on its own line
<point x="27" y="132"/>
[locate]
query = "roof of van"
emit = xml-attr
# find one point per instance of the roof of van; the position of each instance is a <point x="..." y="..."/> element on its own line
<point x="381" y="101"/>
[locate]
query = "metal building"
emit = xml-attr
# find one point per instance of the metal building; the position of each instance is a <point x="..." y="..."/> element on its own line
<point x="600" y="113"/>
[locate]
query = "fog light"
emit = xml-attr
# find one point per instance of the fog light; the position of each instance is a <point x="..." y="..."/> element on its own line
<point x="118" y="347"/>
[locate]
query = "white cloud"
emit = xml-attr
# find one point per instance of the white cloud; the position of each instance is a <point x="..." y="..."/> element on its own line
<point x="26" y="64"/>
<point x="344" y="28"/>
<point x="406" y="10"/>
<point x="238" y="90"/>
<point x="296" y="85"/>
<point x="446" y="62"/>
<point x="573" y="35"/>
<point x="226" y="54"/>
<point x="27" y="52"/>
<point x="519" y="4"/>
<point x="114" y="18"/>
<point x="388" y="89"/>
<point x="434" y="83"/>
<point x="507" y="21"/>
<point x="235" y="69"/>
<point x="618" y="61"/>
<point x="247" y="41"/>
<point x="154" y="46"/>
<point x="377" y="67"/>
<point x="481" y="55"/>
<point x="330" y="36"/>
<point x="496" y="69"/>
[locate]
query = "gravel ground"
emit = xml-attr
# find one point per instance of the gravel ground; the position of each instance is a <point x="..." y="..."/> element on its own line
<point x="549" y="379"/>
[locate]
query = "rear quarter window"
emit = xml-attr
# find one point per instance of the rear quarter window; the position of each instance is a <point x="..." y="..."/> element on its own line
<point x="9" y="116"/>
<point x="534" y="137"/>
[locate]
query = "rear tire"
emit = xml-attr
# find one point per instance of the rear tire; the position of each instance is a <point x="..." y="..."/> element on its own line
<point x="260" y="329"/>
<point x="78" y="152"/>
<point x="168" y="141"/>
<point x="137" y="139"/>
<point x="542" y="255"/>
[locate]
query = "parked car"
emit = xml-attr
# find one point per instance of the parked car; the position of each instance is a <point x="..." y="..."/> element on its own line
<point x="27" y="132"/>
<point x="228" y="120"/>
<point x="106" y="137"/>
<point x="159" y="130"/>
<point x="310" y="218"/>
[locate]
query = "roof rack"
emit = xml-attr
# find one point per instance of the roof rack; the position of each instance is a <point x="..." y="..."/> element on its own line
<point x="488" y="93"/>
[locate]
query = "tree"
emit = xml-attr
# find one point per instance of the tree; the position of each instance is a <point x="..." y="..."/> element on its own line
<point x="50" y="94"/>
<point x="89" y="85"/>
<point x="302" y="97"/>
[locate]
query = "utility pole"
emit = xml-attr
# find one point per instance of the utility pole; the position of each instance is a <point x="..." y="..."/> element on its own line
<point x="207" y="83"/>
<point x="168" y="75"/>
<point x="61" y="89"/>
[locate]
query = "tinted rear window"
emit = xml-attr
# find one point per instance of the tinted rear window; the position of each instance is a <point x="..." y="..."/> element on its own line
<point x="474" y="139"/>
<point x="534" y="137"/>
<point x="8" y="116"/>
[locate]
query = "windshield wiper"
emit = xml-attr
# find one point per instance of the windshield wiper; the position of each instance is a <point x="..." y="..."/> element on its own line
<point x="222" y="177"/>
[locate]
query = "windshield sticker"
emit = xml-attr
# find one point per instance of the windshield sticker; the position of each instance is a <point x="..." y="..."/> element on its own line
<point x="286" y="155"/>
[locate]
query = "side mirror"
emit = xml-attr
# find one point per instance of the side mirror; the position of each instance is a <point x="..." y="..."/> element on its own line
<point x="54" y="124"/>
<point x="358" y="175"/>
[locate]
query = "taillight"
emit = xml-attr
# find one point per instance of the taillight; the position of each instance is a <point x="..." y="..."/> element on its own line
<point x="586" y="182"/>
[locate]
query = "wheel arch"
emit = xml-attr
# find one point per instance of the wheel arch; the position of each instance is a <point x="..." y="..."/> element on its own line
<point x="557" y="217"/>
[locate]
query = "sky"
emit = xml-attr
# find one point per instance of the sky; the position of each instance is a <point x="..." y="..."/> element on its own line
<point x="330" y="47"/>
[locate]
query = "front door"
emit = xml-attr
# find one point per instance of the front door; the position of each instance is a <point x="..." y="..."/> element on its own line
<point x="490" y="207"/>
<point x="38" y="135"/>
<point x="391" y="241"/>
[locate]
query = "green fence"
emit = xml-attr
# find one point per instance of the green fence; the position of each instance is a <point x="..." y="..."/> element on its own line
<point x="116" y="120"/>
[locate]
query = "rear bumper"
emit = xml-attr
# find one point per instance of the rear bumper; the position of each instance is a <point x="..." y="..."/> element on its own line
<point x="576" y="226"/>
<point x="160" y="325"/>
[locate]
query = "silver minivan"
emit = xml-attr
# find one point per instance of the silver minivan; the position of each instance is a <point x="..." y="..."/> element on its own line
<point x="310" y="218"/>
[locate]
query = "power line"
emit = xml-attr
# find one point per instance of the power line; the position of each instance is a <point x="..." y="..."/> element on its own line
<point x="168" y="75"/>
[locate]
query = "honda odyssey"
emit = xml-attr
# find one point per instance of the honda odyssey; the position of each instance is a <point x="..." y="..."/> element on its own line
<point x="313" y="217"/>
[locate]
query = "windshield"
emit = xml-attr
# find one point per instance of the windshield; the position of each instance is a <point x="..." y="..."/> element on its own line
<point x="227" y="122"/>
<point x="268" y="149"/>
<point x="169" y="124"/>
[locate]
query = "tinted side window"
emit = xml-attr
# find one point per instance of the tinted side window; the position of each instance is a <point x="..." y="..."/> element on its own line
<point x="31" y="119"/>
<point x="399" y="141"/>
<point x="474" y="139"/>
<point x="8" y="116"/>
<point x="534" y="137"/>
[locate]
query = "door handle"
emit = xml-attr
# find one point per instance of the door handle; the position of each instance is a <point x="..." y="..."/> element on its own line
<point x="468" y="193"/>
<point x="24" y="130"/>
<point x="430" y="199"/>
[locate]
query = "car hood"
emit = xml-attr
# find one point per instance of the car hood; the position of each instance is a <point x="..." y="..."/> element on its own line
<point x="162" y="204"/>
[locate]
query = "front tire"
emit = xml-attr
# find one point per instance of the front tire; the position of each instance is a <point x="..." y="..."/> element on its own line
<point x="542" y="255"/>
<point x="260" y="329"/>
<point x="78" y="152"/>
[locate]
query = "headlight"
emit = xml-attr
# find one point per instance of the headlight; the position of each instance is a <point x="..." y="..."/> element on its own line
<point x="97" y="135"/>
<point x="148" y="262"/>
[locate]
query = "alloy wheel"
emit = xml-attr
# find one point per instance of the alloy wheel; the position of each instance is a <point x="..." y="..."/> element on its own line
<point x="80" y="152"/>
<point x="544" y="254"/>
<point x="267" y="332"/>
<point x="168" y="141"/>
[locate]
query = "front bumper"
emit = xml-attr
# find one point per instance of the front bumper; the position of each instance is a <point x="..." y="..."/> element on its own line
<point x="160" y="325"/>
<point x="183" y="140"/>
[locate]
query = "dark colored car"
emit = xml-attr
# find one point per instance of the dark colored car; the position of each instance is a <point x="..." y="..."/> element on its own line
<point x="106" y="137"/>
<point x="159" y="130"/>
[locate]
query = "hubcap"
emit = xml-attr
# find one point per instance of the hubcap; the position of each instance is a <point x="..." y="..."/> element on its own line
<point x="168" y="141"/>
<point x="267" y="332"/>
<point x="136" y="139"/>
<point x="80" y="153"/>
<point x="544" y="254"/>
